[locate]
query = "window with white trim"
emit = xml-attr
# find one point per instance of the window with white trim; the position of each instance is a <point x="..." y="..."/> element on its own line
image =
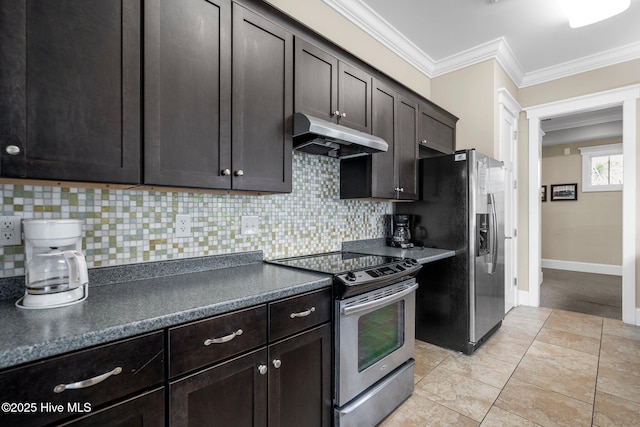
<point x="602" y="168"/>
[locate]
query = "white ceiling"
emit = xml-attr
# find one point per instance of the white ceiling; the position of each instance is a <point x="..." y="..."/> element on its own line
<point x="531" y="39"/>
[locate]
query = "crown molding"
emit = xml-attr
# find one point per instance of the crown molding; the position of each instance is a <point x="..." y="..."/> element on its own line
<point x="588" y="63"/>
<point x="377" y="27"/>
<point x="497" y="49"/>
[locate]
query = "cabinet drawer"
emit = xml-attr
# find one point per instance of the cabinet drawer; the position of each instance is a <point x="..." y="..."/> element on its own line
<point x="207" y="341"/>
<point x="295" y="314"/>
<point x="94" y="376"/>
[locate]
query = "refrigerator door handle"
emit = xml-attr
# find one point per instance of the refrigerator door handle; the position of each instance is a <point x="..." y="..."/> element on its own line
<point x="494" y="237"/>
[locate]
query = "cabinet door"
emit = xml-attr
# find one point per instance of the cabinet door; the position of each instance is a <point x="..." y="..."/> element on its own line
<point x="300" y="380"/>
<point x="233" y="394"/>
<point x="70" y="90"/>
<point x="407" y="148"/>
<point x="187" y="51"/>
<point x="316" y="81"/>
<point x="262" y="103"/>
<point x="384" y="181"/>
<point x="146" y="410"/>
<point x="434" y="131"/>
<point x="354" y="98"/>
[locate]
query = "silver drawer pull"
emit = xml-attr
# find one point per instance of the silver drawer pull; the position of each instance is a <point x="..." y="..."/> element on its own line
<point x="262" y="369"/>
<point x="12" y="150"/>
<point x="224" y="339"/>
<point x="86" y="383"/>
<point x="303" y="313"/>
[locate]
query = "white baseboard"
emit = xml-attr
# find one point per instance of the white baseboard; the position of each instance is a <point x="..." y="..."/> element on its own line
<point x="584" y="267"/>
<point x="523" y="298"/>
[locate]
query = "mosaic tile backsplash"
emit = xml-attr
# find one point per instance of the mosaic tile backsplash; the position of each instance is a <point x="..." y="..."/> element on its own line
<point x="134" y="226"/>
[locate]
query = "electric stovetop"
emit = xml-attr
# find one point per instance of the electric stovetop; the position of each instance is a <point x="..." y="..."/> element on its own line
<point x="336" y="262"/>
<point x="353" y="272"/>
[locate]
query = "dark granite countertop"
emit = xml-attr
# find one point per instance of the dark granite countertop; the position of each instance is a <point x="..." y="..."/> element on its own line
<point x="125" y="309"/>
<point x="378" y="247"/>
<point x="422" y="255"/>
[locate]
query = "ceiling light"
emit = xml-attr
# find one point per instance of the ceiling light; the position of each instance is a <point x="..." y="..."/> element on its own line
<point x="586" y="12"/>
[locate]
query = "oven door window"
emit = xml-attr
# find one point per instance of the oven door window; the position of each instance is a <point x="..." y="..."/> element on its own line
<point x="380" y="333"/>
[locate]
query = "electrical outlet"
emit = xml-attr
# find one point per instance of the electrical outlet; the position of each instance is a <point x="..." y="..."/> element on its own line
<point x="183" y="226"/>
<point x="249" y="225"/>
<point x="10" y="230"/>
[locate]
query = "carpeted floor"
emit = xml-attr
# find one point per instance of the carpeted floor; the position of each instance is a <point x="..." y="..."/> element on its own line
<point x="596" y="294"/>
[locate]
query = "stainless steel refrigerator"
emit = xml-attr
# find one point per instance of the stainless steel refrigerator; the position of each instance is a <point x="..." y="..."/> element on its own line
<point x="460" y="301"/>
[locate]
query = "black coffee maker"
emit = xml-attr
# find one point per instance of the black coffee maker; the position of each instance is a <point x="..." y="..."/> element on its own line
<point x="398" y="231"/>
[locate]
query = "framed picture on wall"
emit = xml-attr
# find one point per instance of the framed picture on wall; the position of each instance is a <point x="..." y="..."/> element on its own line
<point x="543" y="193"/>
<point x="564" y="192"/>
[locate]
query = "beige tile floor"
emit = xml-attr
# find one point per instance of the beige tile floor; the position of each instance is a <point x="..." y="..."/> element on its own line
<point x="543" y="367"/>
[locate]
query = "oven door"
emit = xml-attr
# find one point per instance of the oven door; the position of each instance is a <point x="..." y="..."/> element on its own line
<point x="375" y="334"/>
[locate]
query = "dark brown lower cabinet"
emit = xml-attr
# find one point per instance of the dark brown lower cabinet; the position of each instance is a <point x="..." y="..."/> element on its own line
<point x="59" y="388"/>
<point x="300" y="387"/>
<point x="231" y="394"/>
<point x="285" y="384"/>
<point x="146" y="410"/>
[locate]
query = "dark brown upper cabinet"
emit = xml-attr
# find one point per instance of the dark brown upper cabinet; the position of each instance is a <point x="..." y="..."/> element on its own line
<point x="331" y="89"/>
<point x="262" y="104"/>
<point x="187" y="98"/>
<point x="392" y="174"/>
<point x="191" y="139"/>
<point x="436" y="129"/>
<point x="407" y="148"/>
<point x="70" y="90"/>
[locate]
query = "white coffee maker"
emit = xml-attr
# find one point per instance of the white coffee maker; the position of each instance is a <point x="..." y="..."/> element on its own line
<point x="56" y="270"/>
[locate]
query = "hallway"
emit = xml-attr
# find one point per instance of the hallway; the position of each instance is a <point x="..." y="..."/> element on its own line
<point x="587" y="293"/>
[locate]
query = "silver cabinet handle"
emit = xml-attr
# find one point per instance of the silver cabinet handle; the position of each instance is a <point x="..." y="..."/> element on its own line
<point x="336" y="113"/>
<point x="224" y="339"/>
<point x="344" y="115"/>
<point x="86" y="383"/>
<point x="277" y="363"/>
<point x="12" y="150"/>
<point x="226" y="172"/>
<point x="399" y="189"/>
<point x="262" y="369"/>
<point x="424" y="141"/>
<point x="302" y="313"/>
<point x="239" y="172"/>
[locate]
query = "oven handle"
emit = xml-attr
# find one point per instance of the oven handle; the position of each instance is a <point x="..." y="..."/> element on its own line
<point x="346" y="311"/>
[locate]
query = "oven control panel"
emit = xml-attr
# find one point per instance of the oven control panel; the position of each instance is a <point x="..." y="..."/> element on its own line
<point x="400" y="267"/>
<point x="376" y="276"/>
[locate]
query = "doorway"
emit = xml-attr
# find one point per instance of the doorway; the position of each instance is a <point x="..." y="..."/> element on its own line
<point x="581" y="235"/>
<point x="627" y="97"/>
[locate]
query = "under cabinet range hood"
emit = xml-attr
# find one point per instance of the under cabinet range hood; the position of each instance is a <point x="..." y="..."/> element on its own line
<point x="316" y="136"/>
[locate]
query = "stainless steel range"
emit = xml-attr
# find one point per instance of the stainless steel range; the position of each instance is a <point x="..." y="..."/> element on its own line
<point x="374" y="331"/>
